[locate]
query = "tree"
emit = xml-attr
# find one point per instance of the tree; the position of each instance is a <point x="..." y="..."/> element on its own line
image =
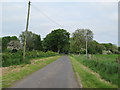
<point x="57" y="41"/>
<point x="33" y="41"/>
<point x="6" y="40"/>
<point x="111" y="47"/>
<point x="94" y="47"/>
<point x="78" y="40"/>
<point x="14" y="45"/>
<point x="119" y="49"/>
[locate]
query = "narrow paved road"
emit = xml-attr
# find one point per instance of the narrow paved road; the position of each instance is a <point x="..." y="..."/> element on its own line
<point x="58" y="74"/>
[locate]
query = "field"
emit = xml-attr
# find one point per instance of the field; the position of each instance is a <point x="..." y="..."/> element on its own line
<point x="14" y="73"/>
<point x="105" y="65"/>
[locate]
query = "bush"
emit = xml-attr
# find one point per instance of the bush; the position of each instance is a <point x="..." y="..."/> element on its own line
<point x="16" y="58"/>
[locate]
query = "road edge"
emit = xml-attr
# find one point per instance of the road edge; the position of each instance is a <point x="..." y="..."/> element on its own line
<point x="76" y="75"/>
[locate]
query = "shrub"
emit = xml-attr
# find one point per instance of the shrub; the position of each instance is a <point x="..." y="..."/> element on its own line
<point x="16" y="58"/>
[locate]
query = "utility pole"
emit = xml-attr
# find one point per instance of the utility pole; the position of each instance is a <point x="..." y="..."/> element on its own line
<point x="86" y="45"/>
<point x="24" y="48"/>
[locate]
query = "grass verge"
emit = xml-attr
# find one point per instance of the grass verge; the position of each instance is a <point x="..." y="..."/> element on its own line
<point x="89" y="78"/>
<point x="105" y="65"/>
<point x="14" y="73"/>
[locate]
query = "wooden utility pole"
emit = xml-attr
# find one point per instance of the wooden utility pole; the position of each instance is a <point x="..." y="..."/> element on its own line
<point x="24" y="48"/>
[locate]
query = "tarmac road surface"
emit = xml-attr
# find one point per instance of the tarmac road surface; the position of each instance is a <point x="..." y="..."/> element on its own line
<point x="58" y="74"/>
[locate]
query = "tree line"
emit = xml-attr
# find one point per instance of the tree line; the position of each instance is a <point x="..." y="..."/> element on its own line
<point x="58" y="40"/>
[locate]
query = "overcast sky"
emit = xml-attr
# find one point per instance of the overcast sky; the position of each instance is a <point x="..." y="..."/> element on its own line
<point x="100" y="17"/>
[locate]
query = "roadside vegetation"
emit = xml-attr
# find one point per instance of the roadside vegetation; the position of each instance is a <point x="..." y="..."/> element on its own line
<point x="58" y="42"/>
<point x="14" y="73"/>
<point x="9" y="59"/>
<point x="105" y="65"/>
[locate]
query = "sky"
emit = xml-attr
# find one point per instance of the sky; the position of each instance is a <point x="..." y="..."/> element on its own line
<point x="100" y="17"/>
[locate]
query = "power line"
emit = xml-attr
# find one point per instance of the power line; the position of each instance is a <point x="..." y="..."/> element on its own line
<point x="41" y="12"/>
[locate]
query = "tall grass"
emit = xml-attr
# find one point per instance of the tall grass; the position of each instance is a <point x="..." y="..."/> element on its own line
<point x="88" y="78"/>
<point x="105" y="65"/>
<point x="9" y="59"/>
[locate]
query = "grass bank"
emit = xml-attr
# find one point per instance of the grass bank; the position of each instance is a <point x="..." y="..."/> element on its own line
<point x="105" y="65"/>
<point x="89" y="79"/>
<point x="14" y="73"/>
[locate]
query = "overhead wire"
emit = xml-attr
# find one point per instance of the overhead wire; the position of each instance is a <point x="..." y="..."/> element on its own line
<point x="41" y="12"/>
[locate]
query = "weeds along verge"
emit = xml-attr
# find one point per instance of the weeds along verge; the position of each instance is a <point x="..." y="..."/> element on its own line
<point x="106" y="66"/>
<point x="9" y="59"/>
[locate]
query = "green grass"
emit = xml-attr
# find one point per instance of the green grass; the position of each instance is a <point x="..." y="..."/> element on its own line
<point x="15" y="73"/>
<point x="105" y="65"/>
<point x="0" y="82"/>
<point x="89" y="78"/>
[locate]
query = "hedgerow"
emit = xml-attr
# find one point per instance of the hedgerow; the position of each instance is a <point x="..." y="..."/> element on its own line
<point x="9" y="59"/>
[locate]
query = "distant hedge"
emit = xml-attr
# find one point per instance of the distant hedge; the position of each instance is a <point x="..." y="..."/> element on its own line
<point x="9" y="59"/>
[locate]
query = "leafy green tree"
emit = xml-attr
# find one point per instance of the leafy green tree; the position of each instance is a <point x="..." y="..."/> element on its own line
<point x="0" y="45"/>
<point x="33" y="41"/>
<point x="119" y="49"/>
<point x="110" y="47"/>
<point x="6" y="40"/>
<point x="57" y="41"/>
<point x="78" y="40"/>
<point x="94" y="47"/>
